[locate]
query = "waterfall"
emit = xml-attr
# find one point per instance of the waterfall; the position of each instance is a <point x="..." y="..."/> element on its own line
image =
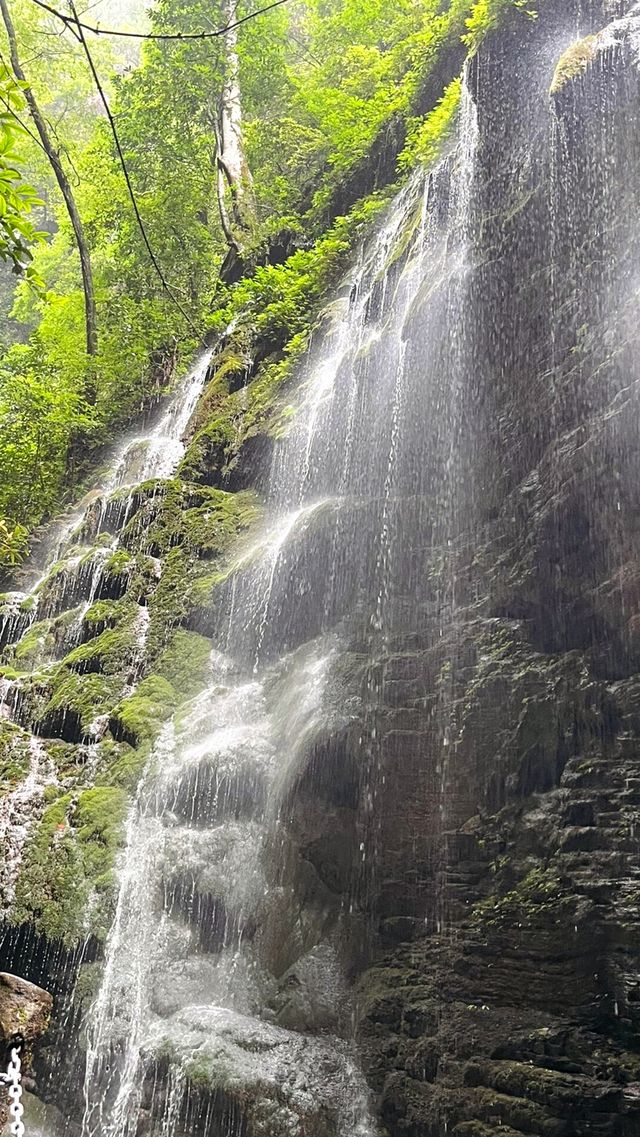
<point x="155" y="453"/>
<point x="218" y="912"/>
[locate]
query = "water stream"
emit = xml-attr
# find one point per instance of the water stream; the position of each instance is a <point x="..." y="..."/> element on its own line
<point x="209" y="930"/>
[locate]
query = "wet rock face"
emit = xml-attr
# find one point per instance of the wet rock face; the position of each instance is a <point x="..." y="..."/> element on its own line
<point x="512" y="747"/>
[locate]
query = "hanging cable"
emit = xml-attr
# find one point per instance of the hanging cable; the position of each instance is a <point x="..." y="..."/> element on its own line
<point x="21" y="124"/>
<point x="152" y="256"/>
<point x="72" y="24"/>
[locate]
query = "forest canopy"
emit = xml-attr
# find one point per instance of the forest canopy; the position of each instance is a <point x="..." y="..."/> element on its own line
<point x="215" y="179"/>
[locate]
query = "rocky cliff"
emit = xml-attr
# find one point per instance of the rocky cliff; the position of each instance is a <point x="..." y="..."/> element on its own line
<point x="517" y="1012"/>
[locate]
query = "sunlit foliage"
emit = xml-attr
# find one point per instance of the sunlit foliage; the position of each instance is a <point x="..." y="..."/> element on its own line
<point x="321" y="79"/>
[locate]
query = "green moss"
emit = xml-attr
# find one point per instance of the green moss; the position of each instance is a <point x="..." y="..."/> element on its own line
<point x="538" y="894"/>
<point x="97" y="821"/>
<point x="242" y="415"/>
<point x="65" y="884"/>
<point x="268" y="414"/>
<point x="184" y="663"/>
<point x="82" y="697"/>
<point x="233" y="365"/>
<point x="41" y="641"/>
<point x="49" y="889"/>
<point x="34" y="644"/>
<point x="118" y="564"/>
<point x="195" y="537"/>
<point x="69" y="761"/>
<point x="212" y="1071"/>
<point x="55" y="583"/>
<point x="198" y="518"/>
<point x="275" y="309"/>
<point x="171" y="602"/>
<point x="204" y="587"/>
<point x="211" y="528"/>
<point x="138" y="719"/>
<point x="109" y="653"/>
<point x="34" y="692"/>
<point x="180" y="672"/>
<point x="125" y="767"/>
<point x="15" y="755"/>
<point x="487" y="14"/>
<point x="212" y="446"/>
<point x="575" y="61"/>
<point x="142" y="491"/>
<point x="102" y="614"/>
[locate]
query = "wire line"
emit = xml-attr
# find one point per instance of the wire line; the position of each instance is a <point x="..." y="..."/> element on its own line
<point x="114" y="131"/>
<point x="76" y="22"/>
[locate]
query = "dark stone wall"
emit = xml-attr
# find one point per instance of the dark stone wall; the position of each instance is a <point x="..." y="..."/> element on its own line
<point x="506" y="994"/>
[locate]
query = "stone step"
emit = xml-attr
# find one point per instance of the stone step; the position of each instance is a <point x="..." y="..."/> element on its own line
<point x="574" y="1096"/>
<point x="478" y="1129"/>
<point x="521" y="1114"/>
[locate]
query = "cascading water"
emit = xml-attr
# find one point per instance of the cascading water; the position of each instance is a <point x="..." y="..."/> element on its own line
<point x="218" y="912"/>
<point x="151" y="455"/>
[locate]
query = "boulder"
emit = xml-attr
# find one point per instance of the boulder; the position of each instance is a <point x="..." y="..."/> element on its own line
<point x="25" y="1011"/>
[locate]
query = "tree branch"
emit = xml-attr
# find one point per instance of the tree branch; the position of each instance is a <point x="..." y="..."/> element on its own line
<point x="74" y="24"/>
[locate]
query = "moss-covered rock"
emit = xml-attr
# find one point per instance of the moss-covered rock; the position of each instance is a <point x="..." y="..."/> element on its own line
<point x="36" y="643"/>
<point x="194" y="539"/>
<point x="65" y="885"/>
<point x="110" y="652"/>
<point x="78" y="701"/>
<point x="122" y="765"/>
<point x="171" y="602"/>
<point x="138" y="718"/>
<point x="199" y="519"/>
<point x="116" y="575"/>
<point x="101" y="615"/>
<point x="185" y="662"/>
<point x="15" y="755"/>
<point x="575" y="61"/>
<point x="539" y="896"/>
<point x="42" y="643"/>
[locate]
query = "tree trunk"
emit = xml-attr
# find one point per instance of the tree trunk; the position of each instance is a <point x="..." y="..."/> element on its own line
<point x="62" y="180"/>
<point x="234" y="182"/>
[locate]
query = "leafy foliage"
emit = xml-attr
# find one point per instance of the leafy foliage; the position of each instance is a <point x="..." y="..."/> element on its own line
<point x="320" y="79"/>
<point x="40" y="411"/>
<point x="427" y="136"/>
<point x="487" y="14"/>
<point x="373" y="59"/>
<point x="18" y="233"/>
